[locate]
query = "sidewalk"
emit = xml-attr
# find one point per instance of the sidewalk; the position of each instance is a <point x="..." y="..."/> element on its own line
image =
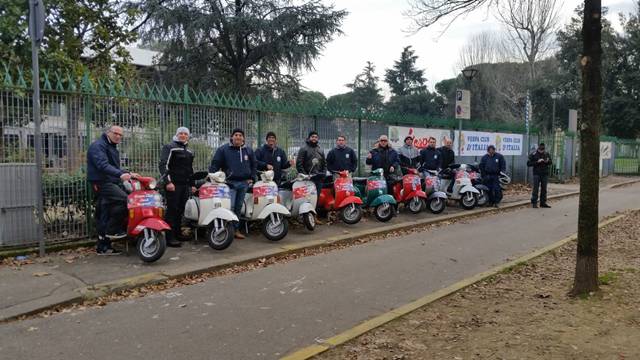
<point x="69" y="276"/>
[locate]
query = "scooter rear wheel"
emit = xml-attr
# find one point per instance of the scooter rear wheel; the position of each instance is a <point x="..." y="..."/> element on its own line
<point x="309" y="221"/>
<point x="151" y="245"/>
<point x="351" y="214"/>
<point x="223" y="238"/>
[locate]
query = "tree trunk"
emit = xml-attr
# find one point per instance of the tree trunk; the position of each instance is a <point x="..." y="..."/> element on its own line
<point x="586" y="276"/>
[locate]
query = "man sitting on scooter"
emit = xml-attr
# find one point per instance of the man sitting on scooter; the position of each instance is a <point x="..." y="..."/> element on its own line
<point x="385" y="158"/>
<point x="271" y="157"/>
<point x="239" y="164"/>
<point x="106" y="177"/>
<point x="409" y="154"/>
<point x="342" y="157"/>
<point x="490" y="166"/>
<point x="430" y="157"/>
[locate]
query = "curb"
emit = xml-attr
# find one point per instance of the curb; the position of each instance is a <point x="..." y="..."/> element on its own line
<point x="103" y="289"/>
<point x="371" y="324"/>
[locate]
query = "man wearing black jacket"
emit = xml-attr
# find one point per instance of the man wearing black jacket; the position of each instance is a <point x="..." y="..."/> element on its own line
<point x="342" y="157"/>
<point x="430" y="156"/>
<point x="271" y="157"/>
<point x="176" y="168"/>
<point x="447" y="154"/>
<point x="540" y="160"/>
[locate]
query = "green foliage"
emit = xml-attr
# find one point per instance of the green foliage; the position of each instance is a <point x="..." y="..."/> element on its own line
<point x="365" y="92"/>
<point x="404" y="78"/>
<point x="607" y="278"/>
<point x="240" y="46"/>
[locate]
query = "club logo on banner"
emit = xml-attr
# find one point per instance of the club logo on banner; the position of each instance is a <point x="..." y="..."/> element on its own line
<point x="420" y="136"/>
<point x="475" y="143"/>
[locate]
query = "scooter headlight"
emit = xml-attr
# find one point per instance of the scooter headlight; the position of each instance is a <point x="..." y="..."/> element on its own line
<point x="267" y="176"/>
<point x="152" y="185"/>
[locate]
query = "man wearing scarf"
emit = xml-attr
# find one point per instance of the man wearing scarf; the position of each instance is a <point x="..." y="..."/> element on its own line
<point x="176" y="168"/>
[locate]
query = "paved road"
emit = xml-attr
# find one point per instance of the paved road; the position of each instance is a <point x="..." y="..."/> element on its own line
<point x="269" y="312"/>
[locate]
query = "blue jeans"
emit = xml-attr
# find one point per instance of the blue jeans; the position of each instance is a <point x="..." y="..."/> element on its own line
<point x="495" y="191"/>
<point x="237" y="193"/>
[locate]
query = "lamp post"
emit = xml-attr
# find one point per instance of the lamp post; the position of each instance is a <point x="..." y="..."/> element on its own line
<point x="469" y="73"/>
<point x="554" y="96"/>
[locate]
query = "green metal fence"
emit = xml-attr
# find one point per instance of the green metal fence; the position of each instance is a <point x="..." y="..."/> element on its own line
<point x="75" y="110"/>
<point x="627" y="157"/>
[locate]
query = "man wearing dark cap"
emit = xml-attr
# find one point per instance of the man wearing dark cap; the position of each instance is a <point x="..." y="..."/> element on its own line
<point x="540" y="160"/>
<point x="491" y="165"/>
<point x="305" y="163"/>
<point x="271" y="157"/>
<point x="239" y="164"/>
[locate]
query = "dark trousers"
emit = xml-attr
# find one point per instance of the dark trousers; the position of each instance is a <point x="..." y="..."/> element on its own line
<point x="237" y="193"/>
<point x="495" y="191"/>
<point x="111" y="211"/>
<point x="176" y="201"/>
<point x="539" y="181"/>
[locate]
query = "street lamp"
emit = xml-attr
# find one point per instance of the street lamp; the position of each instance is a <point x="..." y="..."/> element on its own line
<point x="469" y="73"/>
<point x="554" y="96"/>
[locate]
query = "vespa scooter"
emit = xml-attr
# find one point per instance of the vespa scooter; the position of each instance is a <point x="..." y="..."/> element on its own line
<point x="262" y="204"/>
<point x="300" y="197"/>
<point x="210" y="208"/>
<point x="373" y="192"/>
<point x="436" y="199"/>
<point x="408" y="190"/>
<point x="339" y="195"/>
<point x="463" y="190"/>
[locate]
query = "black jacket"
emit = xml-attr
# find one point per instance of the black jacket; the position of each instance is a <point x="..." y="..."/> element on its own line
<point x="342" y="159"/>
<point x="276" y="157"/>
<point x="539" y="168"/>
<point x="448" y="156"/>
<point x="384" y="158"/>
<point x="492" y="165"/>
<point x="103" y="161"/>
<point x="304" y="160"/>
<point x="431" y="159"/>
<point x="238" y="163"/>
<point x="176" y="163"/>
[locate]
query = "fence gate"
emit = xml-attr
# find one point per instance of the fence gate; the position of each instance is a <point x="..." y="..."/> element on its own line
<point x="627" y="157"/>
<point x="555" y="146"/>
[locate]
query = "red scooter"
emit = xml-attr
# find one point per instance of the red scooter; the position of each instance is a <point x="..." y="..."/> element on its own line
<point x="145" y="222"/>
<point x="342" y="197"/>
<point x="408" y="190"/>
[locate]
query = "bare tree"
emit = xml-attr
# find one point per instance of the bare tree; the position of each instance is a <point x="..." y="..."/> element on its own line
<point x="487" y="47"/>
<point x="531" y="25"/>
<point x="427" y="12"/>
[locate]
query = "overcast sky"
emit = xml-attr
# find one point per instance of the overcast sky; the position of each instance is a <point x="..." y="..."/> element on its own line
<point x="373" y="31"/>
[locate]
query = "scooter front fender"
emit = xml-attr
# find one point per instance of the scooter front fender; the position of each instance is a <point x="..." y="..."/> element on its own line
<point x="438" y="194"/>
<point x="350" y="200"/>
<point x="306" y="207"/>
<point x="469" y="188"/>
<point x="273" y="208"/>
<point x="219" y="213"/>
<point x="417" y="193"/>
<point x="385" y="198"/>
<point x="150" y="223"/>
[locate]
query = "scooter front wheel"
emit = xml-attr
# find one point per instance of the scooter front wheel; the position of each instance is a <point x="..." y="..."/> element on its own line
<point x="415" y="205"/>
<point x="351" y="214"/>
<point x="309" y="221"/>
<point x="383" y="212"/>
<point x="436" y="205"/>
<point x="220" y="235"/>
<point x="275" y="227"/>
<point x="151" y="245"/>
<point x="469" y="200"/>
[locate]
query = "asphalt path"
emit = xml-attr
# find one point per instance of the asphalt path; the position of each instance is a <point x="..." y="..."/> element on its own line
<point x="269" y="312"/>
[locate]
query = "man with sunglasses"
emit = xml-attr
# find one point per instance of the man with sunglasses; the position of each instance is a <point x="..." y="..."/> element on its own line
<point x="106" y="177"/>
<point x="540" y="160"/>
<point x="384" y="157"/>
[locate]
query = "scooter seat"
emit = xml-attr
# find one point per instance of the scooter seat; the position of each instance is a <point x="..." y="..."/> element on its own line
<point x="360" y="179"/>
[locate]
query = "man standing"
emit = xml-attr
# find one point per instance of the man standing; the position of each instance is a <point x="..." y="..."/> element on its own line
<point x="409" y="155"/>
<point x="176" y="168"/>
<point x="430" y="156"/>
<point x="383" y="157"/>
<point x="106" y="177"/>
<point x="540" y="160"/>
<point x="342" y="157"/>
<point x="239" y="164"/>
<point x="491" y="165"/>
<point x="271" y="157"/>
<point x="311" y="160"/>
<point x="447" y="154"/>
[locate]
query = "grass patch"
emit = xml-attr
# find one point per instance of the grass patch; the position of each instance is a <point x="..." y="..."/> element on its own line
<point x="607" y="278"/>
<point x="513" y="268"/>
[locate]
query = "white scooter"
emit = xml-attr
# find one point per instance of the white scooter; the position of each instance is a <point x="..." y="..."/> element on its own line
<point x="463" y="190"/>
<point x="211" y="209"/>
<point x="262" y="204"/>
<point x="300" y="196"/>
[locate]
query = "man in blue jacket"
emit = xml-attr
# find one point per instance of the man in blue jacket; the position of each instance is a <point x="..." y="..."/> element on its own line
<point x="384" y="157"/>
<point x="271" y="157"/>
<point x="106" y="177"/>
<point x="491" y="165"/>
<point x="430" y="156"/>
<point x="342" y="157"/>
<point x="239" y="164"/>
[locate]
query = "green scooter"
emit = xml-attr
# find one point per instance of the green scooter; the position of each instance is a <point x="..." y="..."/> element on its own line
<point x="373" y="192"/>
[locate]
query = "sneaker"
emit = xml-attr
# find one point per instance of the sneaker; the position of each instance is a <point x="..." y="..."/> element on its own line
<point x="108" y="252"/>
<point x="545" y="206"/>
<point x="120" y="235"/>
<point x="239" y="235"/>
<point x="174" y="244"/>
<point x="318" y="221"/>
<point x="496" y="205"/>
<point x="534" y="205"/>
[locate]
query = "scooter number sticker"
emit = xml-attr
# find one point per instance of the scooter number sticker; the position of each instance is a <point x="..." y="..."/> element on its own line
<point x="346" y="187"/>
<point x="213" y="191"/>
<point x="376" y="184"/>
<point x="149" y="199"/>
<point x="303" y="191"/>
<point x="262" y="191"/>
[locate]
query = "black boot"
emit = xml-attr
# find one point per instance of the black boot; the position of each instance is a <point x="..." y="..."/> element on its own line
<point x="173" y="242"/>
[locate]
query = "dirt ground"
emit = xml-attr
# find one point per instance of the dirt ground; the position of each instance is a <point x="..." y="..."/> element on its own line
<point x="525" y="313"/>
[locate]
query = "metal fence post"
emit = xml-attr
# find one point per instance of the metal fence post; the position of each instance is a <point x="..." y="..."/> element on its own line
<point x="187" y="110"/>
<point x="359" y="145"/>
<point x="88" y="120"/>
